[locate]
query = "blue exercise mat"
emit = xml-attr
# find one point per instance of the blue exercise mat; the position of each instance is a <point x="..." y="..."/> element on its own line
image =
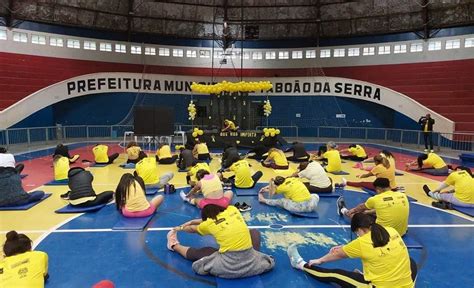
<point x="329" y="195"/>
<point x="128" y="166"/>
<point x="411" y="242"/>
<point x="373" y="193"/>
<point x="99" y="165"/>
<point x="151" y="191"/>
<point x="73" y="209"/>
<point x="340" y="173"/>
<point x="248" y="282"/>
<point x="465" y="210"/>
<point x="25" y="206"/>
<point x="251" y="191"/>
<point x="57" y="182"/>
<point x="132" y="224"/>
<point x="23" y="175"/>
<point x="313" y="214"/>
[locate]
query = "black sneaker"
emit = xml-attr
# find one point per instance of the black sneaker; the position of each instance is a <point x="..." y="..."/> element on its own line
<point x="65" y="196"/>
<point x="427" y="190"/>
<point x="237" y="205"/>
<point x="442" y="205"/>
<point x="244" y="207"/>
<point x="341" y="203"/>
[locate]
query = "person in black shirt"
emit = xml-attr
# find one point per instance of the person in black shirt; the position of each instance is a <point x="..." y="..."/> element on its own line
<point x="230" y="156"/>
<point x="299" y="152"/>
<point x="426" y="123"/>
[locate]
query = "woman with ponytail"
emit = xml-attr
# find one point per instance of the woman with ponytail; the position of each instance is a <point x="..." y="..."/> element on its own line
<point x="382" y="169"/>
<point x="22" y="267"/>
<point x="384" y="257"/>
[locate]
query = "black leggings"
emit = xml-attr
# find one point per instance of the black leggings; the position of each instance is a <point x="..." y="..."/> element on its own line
<point x="141" y="155"/>
<point x="346" y="278"/>
<point x="194" y="254"/>
<point x="19" y="168"/>
<point x="204" y="157"/>
<point x="314" y="189"/>
<point x="102" y="198"/>
<point x="299" y="159"/>
<point x="111" y="159"/>
<point x="255" y="178"/>
<point x="167" y="160"/>
<point x="353" y="158"/>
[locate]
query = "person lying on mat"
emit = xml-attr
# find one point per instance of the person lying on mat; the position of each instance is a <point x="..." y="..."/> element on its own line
<point x="463" y="193"/>
<point x="258" y="153"/>
<point x="242" y="177"/>
<point x="8" y="160"/>
<point x="21" y="266"/>
<point x="319" y="182"/>
<point x="238" y="254"/>
<point x="332" y="157"/>
<point x="211" y="188"/>
<point x="164" y="156"/>
<point x="12" y="192"/>
<point x="296" y="196"/>
<point x="130" y="197"/>
<point x="81" y="193"/>
<point x="229" y="126"/>
<point x="299" y="152"/>
<point x="429" y="163"/>
<point x="147" y="169"/>
<point x="101" y="156"/>
<point x="191" y="175"/>
<point x="391" y="208"/>
<point x="385" y="259"/>
<point x="276" y="159"/>
<point x="134" y="153"/>
<point x="185" y="159"/>
<point x="357" y="153"/>
<point x="63" y="150"/>
<point x="60" y="167"/>
<point x="382" y="169"/>
<point x="200" y="151"/>
<point x="384" y="153"/>
<point x="230" y="156"/>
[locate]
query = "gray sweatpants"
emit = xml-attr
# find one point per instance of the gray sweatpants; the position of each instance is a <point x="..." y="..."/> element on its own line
<point x="164" y="179"/>
<point x="287" y="204"/>
<point x="449" y="197"/>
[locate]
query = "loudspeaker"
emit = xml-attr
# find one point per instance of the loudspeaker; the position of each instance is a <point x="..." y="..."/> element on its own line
<point x="153" y="121"/>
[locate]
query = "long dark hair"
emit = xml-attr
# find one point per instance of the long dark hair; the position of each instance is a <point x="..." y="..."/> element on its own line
<point x="211" y="211"/>
<point x="420" y="159"/>
<point x="378" y="233"/>
<point x="381" y="160"/>
<point x="201" y="173"/>
<point x="123" y="188"/>
<point x="387" y="154"/>
<point x="16" y="244"/>
<point x="464" y="168"/>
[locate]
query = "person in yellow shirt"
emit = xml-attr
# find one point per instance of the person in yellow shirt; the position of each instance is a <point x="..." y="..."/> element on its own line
<point x="61" y="168"/>
<point x="429" y="163"/>
<point x="229" y="126"/>
<point x="330" y="156"/>
<point x="147" y="169"/>
<point x="191" y="175"/>
<point x="238" y="254"/>
<point x="357" y="153"/>
<point x="392" y="209"/>
<point x="130" y="197"/>
<point x="463" y="193"/>
<point x="243" y="177"/>
<point x="385" y="259"/>
<point x="21" y="266"/>
<point x="101" y="156"/>
<point x="134" y="153"/>
<point x="200" y="151"/>
<point x="164" y="156"/>
<point x="210" y="186"/>
<point x="384" y="153"/>
<point x="276" y="159"/>
<point x="296" y="195"/>
<point x="63" y="150"/>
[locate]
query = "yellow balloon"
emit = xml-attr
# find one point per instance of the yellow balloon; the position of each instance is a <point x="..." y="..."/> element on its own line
<point x="267" y="134"/>
<point x="200" y="132"/>
<point x="265" y="130"/>
<point x="277" y="131"/>
<point x="272" y="134"/>
<point x="195" y="134"/>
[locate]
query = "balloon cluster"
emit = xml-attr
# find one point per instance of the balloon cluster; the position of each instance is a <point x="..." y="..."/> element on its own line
<point x="197" y="132"/>
<point x="267" y="108"/>
<point x="191" y="110"/>
<point x="224" y="86"/>
<point x="270" y="132"/>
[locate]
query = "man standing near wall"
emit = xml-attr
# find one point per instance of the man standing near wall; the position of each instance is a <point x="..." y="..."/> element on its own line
<point x="427" y="123"/>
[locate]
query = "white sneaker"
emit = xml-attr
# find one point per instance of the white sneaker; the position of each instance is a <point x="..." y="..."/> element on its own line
<point x="183" y="196"/>
<point x="344" y="182"/>
<point x="172" y="238"/>
<point x="431" y="150"/>
<point x="425" y="150"/>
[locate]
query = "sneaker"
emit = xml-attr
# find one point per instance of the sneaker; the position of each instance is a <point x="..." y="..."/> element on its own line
<point x="183" y="196"/>
<point x="65" y="196"/>
<point x="172" y="239"/>
<point x="244" y="207"/>
<point x="237" y="205"/>
<point x="344" y="182"/>
<point x="432" y="151"/>
<point x="427" y="190"/>
<point x="295" y="258"/>
<point x="341" y="203"/>
<point x="425" y="150"/>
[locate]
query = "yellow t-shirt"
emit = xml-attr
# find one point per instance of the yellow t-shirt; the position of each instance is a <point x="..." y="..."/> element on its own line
<point x="192" y="172"/>
<point x="100" y="153"/>
<point x="229" y="230"/>
<point x="278" y="157"/>
<point x="358" y="151"/>
<point x="391" y="160"/>
<point x="61" y="168"/>
<point x="463" y="186"/>
<point x="381" y="172"/>
<point x="230" y="125"/>
<point x="243" y="175"/>
<point x="24" y="270"/>
<point x="133" y="152"/>
<point x="164" y="152"/>
<point x="334" y="161"/>
<point x="392" y="209"/>
<point x="211" y="187"/>
<point x="294" y="190"/>
<point x="136" y="199"/>
<point x="148" y="170"/>
<point x="425" y="128"/>
<point x="434" y="161"/>
<point x="384" y="267"/>
<point x="202" y="148"/>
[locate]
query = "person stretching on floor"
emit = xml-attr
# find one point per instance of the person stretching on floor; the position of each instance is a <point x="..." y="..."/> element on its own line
<point x="147" y="169"/>
<point x="243" y="177"/>
<point x="134" y="153"/>
<point x="385" y="259"/>
<point x="81" y="192"/>
<point x="100" y="154"/>
<point x="463" y="193"/>
<point x="392" y="209"/>
<point x="276" y="159"/>
<point x="163" y="154"/>
<point x="384" y="153"/>
<point x="259" y="152"/>
<point x="211" y="188"/>
<point x="381" y="170"/>
<point x="299" y="152"/>
<point x="130" y="197"/>
<point x="186" y="158"/>
<point x="191" y="175"/>
<point x="332" y="157"/>
<point x="200" y="151"/>
<point x="63" y="150"/>
<point x="8" y="160"/>
<point x="230" y="156"/>
<point x="357" y="153"/>
<point x="429" y="163"/>
<point x="12" y="192"/>
<point x="229" y="126"/>
<point x="21" y="266"/>
<point x="319" y="182"/>
<point x="296" y="196"/>
<point x="61" y="168"/>
<point x="238" y="255"/>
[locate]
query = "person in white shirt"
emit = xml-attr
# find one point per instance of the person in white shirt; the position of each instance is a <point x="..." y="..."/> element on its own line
<point x="8" y="160"/>
<point x="319" y="182"/>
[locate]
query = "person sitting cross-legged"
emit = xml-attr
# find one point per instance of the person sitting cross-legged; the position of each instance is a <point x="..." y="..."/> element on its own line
<point x="243" y="177"/>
